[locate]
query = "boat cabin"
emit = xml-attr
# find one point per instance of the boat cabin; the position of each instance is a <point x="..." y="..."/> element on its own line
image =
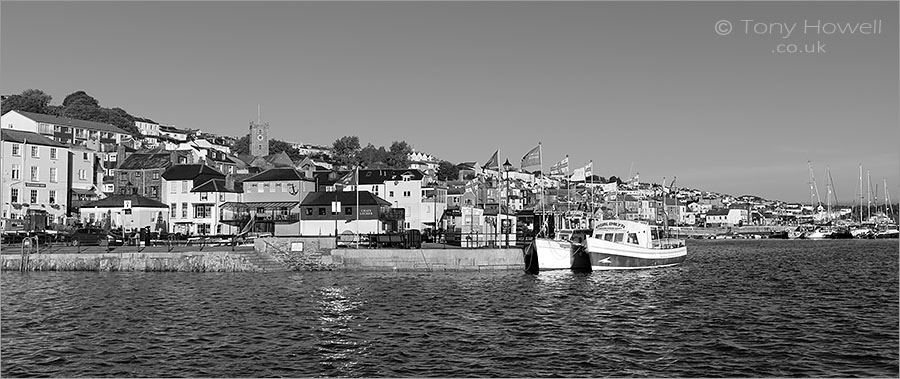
<point x="633" y="233"/>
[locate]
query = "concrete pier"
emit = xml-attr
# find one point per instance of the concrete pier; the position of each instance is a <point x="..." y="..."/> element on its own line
<point x="427" y="259"/>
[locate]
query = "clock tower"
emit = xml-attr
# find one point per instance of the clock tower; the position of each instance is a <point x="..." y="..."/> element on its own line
<point x="259" y="139"/>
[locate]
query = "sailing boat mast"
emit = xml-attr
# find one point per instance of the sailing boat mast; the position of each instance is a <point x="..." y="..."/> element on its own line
<point x="887" y="202"/>
<point x="813" y="191"/>
<point x="860" y="194"/>
<point x="868" y="195"/>
<point x="828" y="196"/>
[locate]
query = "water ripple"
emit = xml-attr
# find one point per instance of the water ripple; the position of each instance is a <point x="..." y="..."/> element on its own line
<point x="733" y="309"/>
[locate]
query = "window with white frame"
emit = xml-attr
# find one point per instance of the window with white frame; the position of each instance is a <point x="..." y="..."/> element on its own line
<point x="52" y="153"/>
<point x="82" y="174"/>
<point x="14" y="195"/>
<point x="15" y="149"/>
<point x="16" y="171"/>
<point x="53" y="178"/>
<point x="52" y="196"/>
<point x="34" y="173"/>
<point x="34" y="196"/>
<point x="35" y="153"/>
<point x="185" y="186"/>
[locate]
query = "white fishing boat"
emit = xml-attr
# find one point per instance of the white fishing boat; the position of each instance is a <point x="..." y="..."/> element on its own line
<point x="565" y="252"/>
<point x="621" y="244"/>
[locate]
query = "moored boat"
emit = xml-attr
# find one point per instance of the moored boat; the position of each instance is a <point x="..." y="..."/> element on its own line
<point x="621" y="244"/>
<point x="565" y="252"/>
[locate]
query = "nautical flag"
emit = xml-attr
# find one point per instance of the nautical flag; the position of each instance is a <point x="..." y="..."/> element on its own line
<point x="609" y="187"/>
<point x="494" y="162"/>
<point x="561" y="167"/>
<point x="589" y="169"/>
<point x="350" y="179"/>
<point x="578" y="175"/>
<point x="533" y="158"/>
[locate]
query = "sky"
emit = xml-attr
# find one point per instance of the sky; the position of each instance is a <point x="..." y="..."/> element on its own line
<point x="664" y="89"/>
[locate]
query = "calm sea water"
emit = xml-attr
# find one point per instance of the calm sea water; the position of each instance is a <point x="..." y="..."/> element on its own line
<point x="735" y="308"/>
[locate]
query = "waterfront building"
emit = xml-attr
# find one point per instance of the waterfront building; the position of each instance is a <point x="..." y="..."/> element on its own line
<point x="129" y="212"/>
<point x="319" y="218"/>
<point x="34" y="176"/>
<point x="196" y="194"/>
<point x="270" y="199"/>
<point x="141" y="172"/>
<point x="85" y="174"/>
<point x="403" y="189"/>
<point x="723" y="217"/>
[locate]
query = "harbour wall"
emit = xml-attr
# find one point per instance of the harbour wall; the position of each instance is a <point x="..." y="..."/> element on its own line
<point x="191" y="260"/>
<point x="427" y="259"/>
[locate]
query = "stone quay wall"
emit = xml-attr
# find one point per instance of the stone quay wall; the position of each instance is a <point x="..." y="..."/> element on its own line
<point x="427" y="259"/>
<point x="240" y="260"/>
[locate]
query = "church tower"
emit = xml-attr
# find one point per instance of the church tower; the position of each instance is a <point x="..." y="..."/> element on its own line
<point x="259" y="139"/>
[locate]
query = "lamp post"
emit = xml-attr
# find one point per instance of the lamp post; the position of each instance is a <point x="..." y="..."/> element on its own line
<point x="506" y="167"/>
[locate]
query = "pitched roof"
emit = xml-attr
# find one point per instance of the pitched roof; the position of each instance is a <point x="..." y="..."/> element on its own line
<point x="345" y="197"/>
<point x="118" y="201"/>
<point x="213" y="185"/>
<point x="190" y="171"/>
<point x="142" y="161"/>
<point x="380" y="176"/>
<point x="272" y="174"/>
<point x="22" y="136"/>
<point x="324" y="178"/>
<point x="56" y="120"/>
<point x="717" y="212"/>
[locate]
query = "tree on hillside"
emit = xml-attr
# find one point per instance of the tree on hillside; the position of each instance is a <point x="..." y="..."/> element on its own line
<point x="447" y="171"/>
<point x="242" y="146"/>
<point x="30" y="100"/>
<point x="399" y="155"/>
<point x="277" y="146"/>
<point x="345" y="150"/>
<point x="80" y="97"/>
<point x="371" y="157"/>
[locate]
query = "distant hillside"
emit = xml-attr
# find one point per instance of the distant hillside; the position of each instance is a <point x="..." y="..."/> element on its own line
<point x="78" y="105"/>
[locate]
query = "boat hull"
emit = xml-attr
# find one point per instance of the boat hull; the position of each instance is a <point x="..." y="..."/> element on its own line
<point x="607" y="255"/>
<point x="546" y="254"/>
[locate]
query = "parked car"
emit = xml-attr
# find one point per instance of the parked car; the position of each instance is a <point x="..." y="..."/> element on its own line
<point x="87" y="236"/>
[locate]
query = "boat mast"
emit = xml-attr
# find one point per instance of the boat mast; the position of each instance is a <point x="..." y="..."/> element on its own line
<point x="887" y="202"/>
<point x="860" y="194"/>
<point x="868" y="195"/>
<point x="828" y="195"/>
<point x="813" y="192"/>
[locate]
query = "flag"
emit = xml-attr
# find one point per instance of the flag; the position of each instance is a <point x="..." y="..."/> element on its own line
<point x="578" y="175"/>
<point x="533" y="158"/>
<point x="609" y="187"/>
<point x="494" y="162"/>
<point x="561" y="167"/>
<point x="589" y="169"/>
<point x="350" y="179"/>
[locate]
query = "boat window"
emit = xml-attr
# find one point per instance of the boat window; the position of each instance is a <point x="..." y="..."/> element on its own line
<point x="632" y="238"/>
<point x="608" y="237"/>
<point x="619" y="237"/>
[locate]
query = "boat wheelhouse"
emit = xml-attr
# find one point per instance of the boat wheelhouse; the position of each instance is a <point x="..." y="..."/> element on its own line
<point x="622" y="244"/>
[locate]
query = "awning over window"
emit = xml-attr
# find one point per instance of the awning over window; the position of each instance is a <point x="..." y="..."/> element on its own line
<point x="267" y="205"/>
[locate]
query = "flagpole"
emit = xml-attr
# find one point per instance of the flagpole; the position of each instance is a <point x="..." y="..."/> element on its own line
<point x="543" y="213"/>
<point x="591" y="201"/>
<point x="568" y="190"/>
<point x="357" y="206"/>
